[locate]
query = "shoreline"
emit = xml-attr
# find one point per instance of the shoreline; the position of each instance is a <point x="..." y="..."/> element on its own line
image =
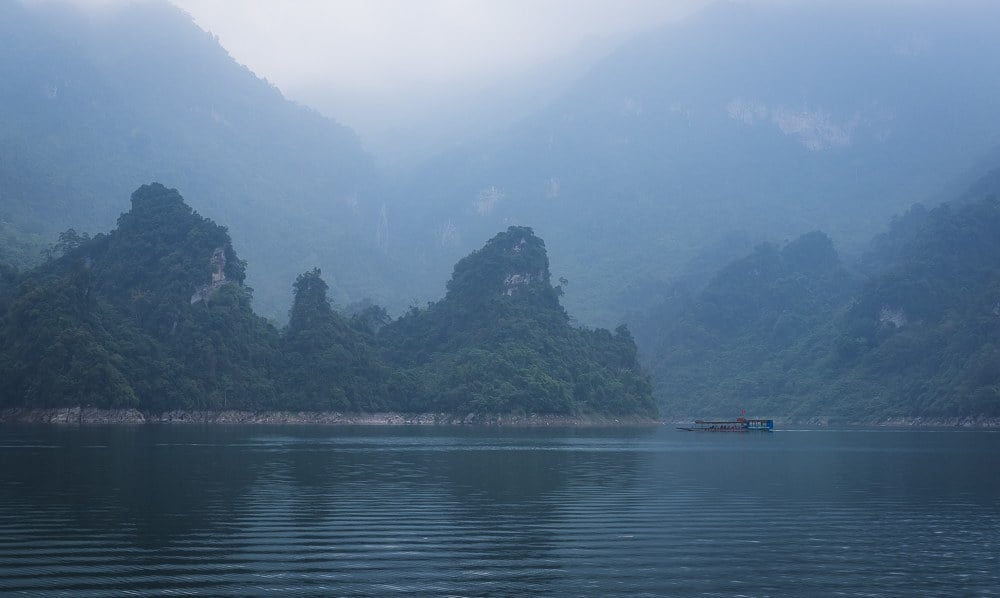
<point x="68" y="416"/>
<point x="833" y="421"/>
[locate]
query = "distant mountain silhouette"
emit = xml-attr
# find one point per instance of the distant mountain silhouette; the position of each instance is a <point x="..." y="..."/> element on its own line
<point x="770" y="120"/>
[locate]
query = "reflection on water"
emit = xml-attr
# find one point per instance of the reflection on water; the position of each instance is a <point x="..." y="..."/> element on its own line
<point x="469" y="511"/>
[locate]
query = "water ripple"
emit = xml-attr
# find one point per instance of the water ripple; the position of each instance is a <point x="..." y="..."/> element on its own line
<point x="303" y="514"/>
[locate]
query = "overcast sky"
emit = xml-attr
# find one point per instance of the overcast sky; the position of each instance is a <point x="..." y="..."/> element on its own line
<point x="376" y="46"/>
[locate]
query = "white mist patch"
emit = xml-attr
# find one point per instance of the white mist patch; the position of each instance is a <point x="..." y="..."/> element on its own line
<point x="896" y="317"/>
<point x="552" y="187"/>
<point x="447" y="234"/>
<point x="746" y="111"/>
<point x="815" y="128"/>
<point x="487" y="200"/>
<point x="632" y="107"/>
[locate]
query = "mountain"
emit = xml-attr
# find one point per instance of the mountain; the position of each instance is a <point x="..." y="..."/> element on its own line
<point x="326" y="363"/>
<point x="910" y="333"/>
<point x="500" y="342"/>
<point x="745" y="340"/>
<point x="922" y="333"/>
<point x="772" y="120"/>
<point x="97" y="100"/>
<point x="155" y="316"/>
<point x="690" y="135"/>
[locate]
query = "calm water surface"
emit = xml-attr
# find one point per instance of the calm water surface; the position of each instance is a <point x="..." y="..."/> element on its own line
<point x="290" y="511"/>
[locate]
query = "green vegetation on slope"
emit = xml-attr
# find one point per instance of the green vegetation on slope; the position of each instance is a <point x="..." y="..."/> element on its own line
<point x="155" y="316"/>
<point x="152" y="315"/>
<point x="733" y="345"/>
<point x="327" y="364"/>
<point x="789" y="332"/>
<point x="499" y="342"/>
<point x="923" y="334"/>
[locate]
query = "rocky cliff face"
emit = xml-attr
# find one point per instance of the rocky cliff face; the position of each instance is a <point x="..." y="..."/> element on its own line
<point x="205" y="292"/>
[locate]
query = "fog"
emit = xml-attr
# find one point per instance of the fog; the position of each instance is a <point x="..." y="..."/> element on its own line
<point x="415" y="78"/>
<point x="424" y="74"/>
<point x="388" y="45"/>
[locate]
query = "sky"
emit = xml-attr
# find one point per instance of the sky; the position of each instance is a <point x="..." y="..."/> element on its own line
<point x="413" y="76"/>
<point x="406" y="73"/>
<point x="375" y="46"/>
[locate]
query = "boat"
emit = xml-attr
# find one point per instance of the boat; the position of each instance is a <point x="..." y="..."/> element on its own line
<point x="740" y="424"/>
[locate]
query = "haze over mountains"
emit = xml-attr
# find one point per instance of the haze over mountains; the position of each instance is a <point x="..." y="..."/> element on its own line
<point x="97" y="103"/>
<point x="770" y="121"/>
<point x="909" y="333"/>
<point x="651" y="177"/>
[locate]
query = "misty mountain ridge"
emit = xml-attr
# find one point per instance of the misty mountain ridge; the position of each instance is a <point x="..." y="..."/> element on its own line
<point x="666" y="147"/>
<point x="910" y="334"/>
<point x="696" y="130"/>
<point x="108" y="100"/>
<point x="402" y="130"/>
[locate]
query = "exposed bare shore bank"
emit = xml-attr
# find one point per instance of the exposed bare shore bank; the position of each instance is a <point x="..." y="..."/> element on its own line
<point x="905" y="422"/>
<point x="88" y="416"/>
<point x="831" y="421"/>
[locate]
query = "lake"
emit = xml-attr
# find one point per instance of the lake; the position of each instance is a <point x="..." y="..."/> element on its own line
<point x="456" y="511"/>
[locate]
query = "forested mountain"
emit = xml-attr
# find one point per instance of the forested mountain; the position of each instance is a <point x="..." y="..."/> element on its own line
<point x="326" y="363"/>
<point x="97" y="100"/>
<point x="500" y="341"/>
<point x="737" y="342"/>
<point x="155" y="316"/>
<point x="693" y="134"/>
<point x="770" y="119"/>
<point x="673" y="157"/>
<point x="789" y="332"/>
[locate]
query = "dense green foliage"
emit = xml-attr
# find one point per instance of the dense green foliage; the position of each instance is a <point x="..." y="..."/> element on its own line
<point x="152" y="315"/>
<point x="326" y="363"/>
<point x="922" y="337"/>
<point x="732" y="344"/>
<point x="790" y="332"/>
<point x="500" y="342"/>
<point x="155" y="316"/>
